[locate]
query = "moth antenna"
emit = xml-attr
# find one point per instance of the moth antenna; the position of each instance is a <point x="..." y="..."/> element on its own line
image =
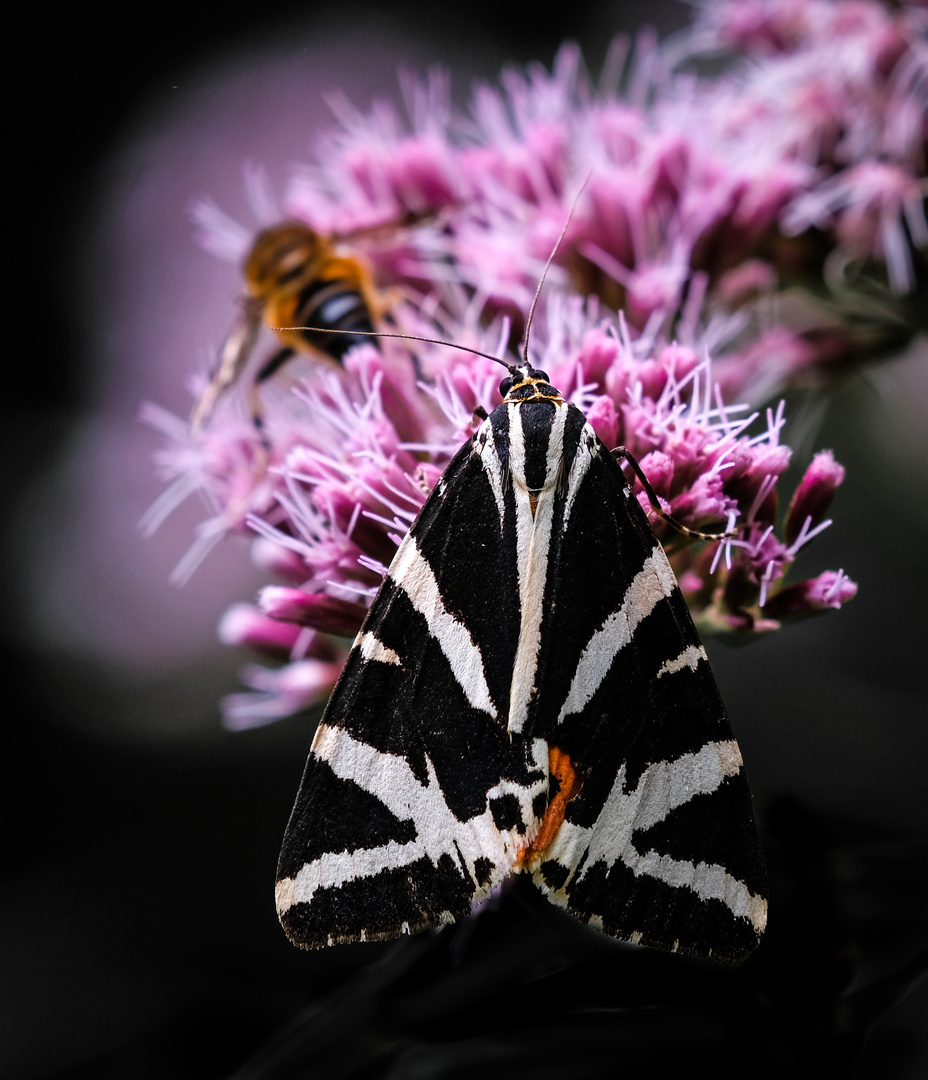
<point x="404" y="337"/>
<point x="466" y="348"/>
<point x="544" y="273"/>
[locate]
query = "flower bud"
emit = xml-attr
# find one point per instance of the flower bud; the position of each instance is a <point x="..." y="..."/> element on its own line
<point x="828" y="591"/>
<point x="281" y="692"/>
<point x="328" y="614"/>
<point x="814" y="494"/>
<point x="604" y="420"/>
<point x="279" y="560"/>
<point x="244" y="625"/>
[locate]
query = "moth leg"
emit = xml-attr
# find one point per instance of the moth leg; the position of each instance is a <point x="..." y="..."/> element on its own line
<point x="621" y="453"/>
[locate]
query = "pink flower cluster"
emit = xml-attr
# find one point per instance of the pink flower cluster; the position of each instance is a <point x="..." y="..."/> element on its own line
<point x="802" y="167"/>
<point x="704" y="205"/>
<point x="354" y="454"/>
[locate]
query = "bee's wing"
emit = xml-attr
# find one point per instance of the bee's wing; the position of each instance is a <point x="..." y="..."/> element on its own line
<point x="233" y="359"/>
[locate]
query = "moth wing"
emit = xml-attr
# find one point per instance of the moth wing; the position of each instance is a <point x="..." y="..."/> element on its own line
<point x="659" y="845"/>
<point x="413" y="799"/>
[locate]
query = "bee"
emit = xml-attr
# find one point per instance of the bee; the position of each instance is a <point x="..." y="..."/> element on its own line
<point x="294" y="276"/>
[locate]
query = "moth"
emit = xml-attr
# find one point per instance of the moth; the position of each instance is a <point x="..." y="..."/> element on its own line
<point x="528" y="694"/>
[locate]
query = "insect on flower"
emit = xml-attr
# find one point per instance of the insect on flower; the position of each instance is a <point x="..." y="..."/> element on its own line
<point x="527" y="693"/>
<point x="296" y="275"/>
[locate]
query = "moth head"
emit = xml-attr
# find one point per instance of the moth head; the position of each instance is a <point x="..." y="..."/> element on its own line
<point x="525" y="381"/>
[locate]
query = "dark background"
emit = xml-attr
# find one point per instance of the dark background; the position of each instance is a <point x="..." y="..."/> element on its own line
<point x="136" y="913"/>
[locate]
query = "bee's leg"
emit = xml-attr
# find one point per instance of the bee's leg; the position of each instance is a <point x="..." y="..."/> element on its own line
<point x="273" y="364"/>
<point x="270" y="367"/>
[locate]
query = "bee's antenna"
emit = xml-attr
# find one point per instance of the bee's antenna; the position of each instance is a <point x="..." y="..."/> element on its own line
<point x="544" y="273"/>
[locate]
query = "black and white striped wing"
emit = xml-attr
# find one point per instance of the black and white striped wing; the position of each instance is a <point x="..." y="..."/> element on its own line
<point x="659" y="845"/>
<point x="414" y="798"/>
<point x="528" y="692"/>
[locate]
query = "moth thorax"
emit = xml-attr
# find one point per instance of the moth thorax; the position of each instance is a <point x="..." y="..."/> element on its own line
<point x="536" y="428"/>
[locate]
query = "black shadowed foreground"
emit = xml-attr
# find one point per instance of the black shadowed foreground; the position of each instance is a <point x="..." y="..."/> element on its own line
<point x="523" y="991"/>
